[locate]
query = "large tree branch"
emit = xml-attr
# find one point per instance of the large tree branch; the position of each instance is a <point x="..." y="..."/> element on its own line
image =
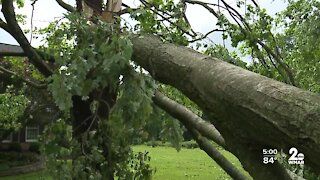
<point x="4" y="26"/>
<point x="207" y="147"/>
<point x="185" y="116"/>
<point x="195" y="124"/>
<point x="66" y="6"/>
<point x="249" y="110"/>
<point x="17" y="33"/>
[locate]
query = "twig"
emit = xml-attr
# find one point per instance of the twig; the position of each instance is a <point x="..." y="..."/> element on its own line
<point x="31" y="20"/>
<point x="156" y="11"/>
<point x="31" y="83"/>
<point x="207" y="34"/>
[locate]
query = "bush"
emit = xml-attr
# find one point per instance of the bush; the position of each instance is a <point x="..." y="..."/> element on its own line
<point x="190" y="144"/>
<point x="158" y="143"/>
<point x="14" y="159"/>
<point x="4" y="166"/>
<point x="15" y="147"/>
<point x="34" y="147"/>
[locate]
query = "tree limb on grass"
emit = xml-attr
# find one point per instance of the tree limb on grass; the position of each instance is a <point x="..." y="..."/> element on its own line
<point x="194" y="124"/>
<point x="223" y="162"/>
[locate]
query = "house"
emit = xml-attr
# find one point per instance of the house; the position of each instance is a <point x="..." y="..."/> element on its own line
<point x="25" y="136"/>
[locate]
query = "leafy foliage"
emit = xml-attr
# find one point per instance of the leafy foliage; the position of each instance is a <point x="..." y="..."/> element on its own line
<point x="94" y="63"/>
<point x="11" y="108"/>
<point x="87" y="64"/>
<point x="300" y="43"/>
<point x="56" y="145"/>
<point x="162" y="17"/>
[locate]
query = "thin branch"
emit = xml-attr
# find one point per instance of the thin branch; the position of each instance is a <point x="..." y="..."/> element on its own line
<point x="236" y="16"/>
<point x="31" y="20"/>
<point x="184" y="16"/>
<point x="211" y="151"/>
<point x="279" y="60"/>
<point x="17" y="33"/>
<point x="255" y="3"/>
<point x="207" y="34"/>
<point x="125" y="11"/>
<point x="188" y="23"/>
<point x="156" y="11"/>
<point x="66" y="6"/>
<point x="205" y="5"/>
<point x="194" y="124"/>
<point x="125" y="5"/>
<point x="242" y="19"/>
<point x="185" y="116"/>
<point x="31" y="83"/>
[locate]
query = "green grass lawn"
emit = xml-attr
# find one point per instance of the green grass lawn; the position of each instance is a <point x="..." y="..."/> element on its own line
<point x="186" y="164"/>
<point x="169" y="165"/>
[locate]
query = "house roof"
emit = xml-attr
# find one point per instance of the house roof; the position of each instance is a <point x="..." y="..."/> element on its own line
<point x="10" y="50"/>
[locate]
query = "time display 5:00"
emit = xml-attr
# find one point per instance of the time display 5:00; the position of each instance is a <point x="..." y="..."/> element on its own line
<point x="269" y="151"/>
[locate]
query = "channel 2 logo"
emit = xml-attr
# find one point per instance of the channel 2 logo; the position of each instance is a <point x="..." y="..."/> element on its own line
<point x="296" y="157"/>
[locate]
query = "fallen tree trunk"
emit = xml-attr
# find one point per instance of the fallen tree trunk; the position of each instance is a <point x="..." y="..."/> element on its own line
<point x="251" y="112"/>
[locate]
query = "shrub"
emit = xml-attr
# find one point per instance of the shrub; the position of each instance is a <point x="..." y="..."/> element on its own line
<point x="158" y="143"/>
<point x="15" y="147"/>
<point x="190" y="144"/>
<point x="14" y="159"/>
<point x="4" y="166"/>
<point x="35" y="147"/>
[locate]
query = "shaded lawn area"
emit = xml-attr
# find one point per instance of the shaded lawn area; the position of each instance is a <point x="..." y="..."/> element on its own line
<point x="169" y="165"/>
<point x="13" y="159"/>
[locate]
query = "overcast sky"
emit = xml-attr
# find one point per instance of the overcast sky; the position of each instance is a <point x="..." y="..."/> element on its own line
<point x="200" y="19"/>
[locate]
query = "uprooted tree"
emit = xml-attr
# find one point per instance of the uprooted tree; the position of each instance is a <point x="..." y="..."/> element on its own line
<point x="92" y="67"/>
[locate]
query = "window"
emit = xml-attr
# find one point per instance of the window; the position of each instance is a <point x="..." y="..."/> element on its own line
<point x="32" y="133"/>
<point x="8" y="139"/>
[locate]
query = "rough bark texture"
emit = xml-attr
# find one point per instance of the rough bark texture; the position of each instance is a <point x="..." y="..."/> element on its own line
<point x="251" y="112"/>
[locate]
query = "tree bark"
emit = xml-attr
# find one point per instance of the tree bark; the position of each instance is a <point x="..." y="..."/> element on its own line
<point x="185" y="116"/>
<point x="251" y="111"/>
